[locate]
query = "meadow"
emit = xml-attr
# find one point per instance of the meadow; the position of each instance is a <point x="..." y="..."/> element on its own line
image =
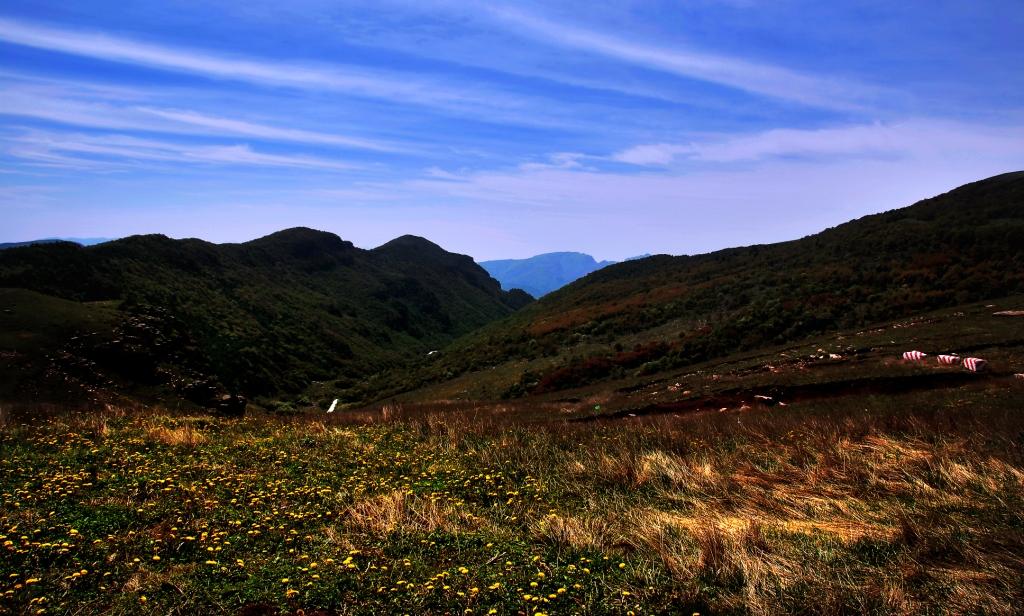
<point x="866" y="504"/>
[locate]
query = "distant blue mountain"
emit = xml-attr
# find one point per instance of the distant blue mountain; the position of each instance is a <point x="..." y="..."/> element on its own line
<point x="84" y="241"/>
<point x="543" y="274"/>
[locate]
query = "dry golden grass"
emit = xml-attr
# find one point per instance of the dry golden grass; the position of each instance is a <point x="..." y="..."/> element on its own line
<point x="819" y="510"/>
<point x="583" y="533"/>
<point x="398" y="511"/>
<point x="185" y="435"/>
<point x="911" y="513"/>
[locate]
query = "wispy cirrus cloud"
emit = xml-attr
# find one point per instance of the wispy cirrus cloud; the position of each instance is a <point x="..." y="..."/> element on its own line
<point x="753" y="77"/>
<point x="118" y="152"/>
<point x="911" y="138"/>
<point x="400" y="88"/>
<point x="230" y="126"/>
<point x="57" y="105"/>
<point x="653" y="154"/>
<point x="124" y="50"/>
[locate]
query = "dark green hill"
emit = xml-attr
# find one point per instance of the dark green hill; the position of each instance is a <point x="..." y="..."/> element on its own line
<point x="662" y="312"/>
<point x="265" y="316"/>
<point x="544" y="273"/>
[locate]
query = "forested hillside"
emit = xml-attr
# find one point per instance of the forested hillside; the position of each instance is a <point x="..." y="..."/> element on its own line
<point x="262" y="317"/>
<point x="665" y="311"/>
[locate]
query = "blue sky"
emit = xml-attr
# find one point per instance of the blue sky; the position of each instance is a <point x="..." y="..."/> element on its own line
<point x="499" y="129"/>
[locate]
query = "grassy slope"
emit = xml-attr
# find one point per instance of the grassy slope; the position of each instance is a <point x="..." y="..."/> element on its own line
<point x="955" y="248"/>
<point x="275" y="313"/>
<point x="860" y="503"/>
<point x="867" y="352"/>
<point x="33" y="325"/>
<point x="30" y="320"/>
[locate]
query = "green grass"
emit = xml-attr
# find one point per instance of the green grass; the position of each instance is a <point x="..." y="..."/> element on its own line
<point x="255" y="512"/>
<point x="867" y="352"/>
<point x="33" y="326"/>
<point x="31" y="321"/>
<point x="864" y="504"/>
<point x="853" y="502"/>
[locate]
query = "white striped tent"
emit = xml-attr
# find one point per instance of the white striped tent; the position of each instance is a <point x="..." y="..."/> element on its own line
<point x="949" y="360"/>
<point x="975" y="364"/>
<point x="914" y="356"/>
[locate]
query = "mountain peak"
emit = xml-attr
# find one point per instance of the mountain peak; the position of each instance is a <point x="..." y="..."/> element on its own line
<point x="301" y="243"/>
<point x="544" y="273"/>
<point x="409" y="242"/>
<point x="299" y="235"/>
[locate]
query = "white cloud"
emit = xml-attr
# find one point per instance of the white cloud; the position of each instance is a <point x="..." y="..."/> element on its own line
<point x="558" y="160"/>
<point x="902" y="139"/>
<point x="118" y="152"/>
<point x="245" y="155"/>
<point x="118" y="49"/>
<point x="754" y="77"/>
<point x="651" y="154"/>
<point x="229" y="126"/>
<point x="55" y="105"/>
<point x="399" y="88"/>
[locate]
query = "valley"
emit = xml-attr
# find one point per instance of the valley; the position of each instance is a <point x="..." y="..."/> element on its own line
<point x="732" y="433"/>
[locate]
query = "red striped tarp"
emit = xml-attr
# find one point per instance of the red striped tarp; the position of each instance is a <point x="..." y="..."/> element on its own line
<point x="975" y="364"/>
<point x="914" y="356"/>
<point x="949" y="360"/>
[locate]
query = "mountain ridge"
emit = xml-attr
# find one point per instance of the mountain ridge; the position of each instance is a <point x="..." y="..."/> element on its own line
<point x="269" y="315"/>
<point x="663" y="311"/>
